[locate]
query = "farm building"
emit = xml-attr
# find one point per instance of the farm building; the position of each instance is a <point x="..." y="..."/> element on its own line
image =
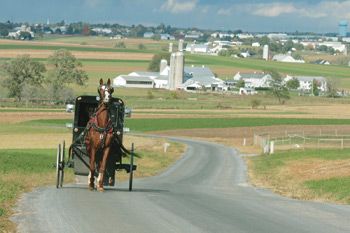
<point x="201" y="77"/>
<point x="253" y="80"/>
<point x="197" y="48"/>
<point x="133" y="81"/>
<point x="286" y="58"/>
<point x="306" y="82"/>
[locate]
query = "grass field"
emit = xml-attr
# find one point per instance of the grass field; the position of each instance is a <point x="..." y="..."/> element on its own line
<point x="29" y="134"/>
<point x="190" y="123"/>
<point x="20" y="171"/>
<point x="143" y="125"/>
<point x="309" y="174"/>
<point x="225" y="67"/>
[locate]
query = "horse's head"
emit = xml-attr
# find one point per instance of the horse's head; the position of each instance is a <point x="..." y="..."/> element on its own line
<point x="105" y="91"/>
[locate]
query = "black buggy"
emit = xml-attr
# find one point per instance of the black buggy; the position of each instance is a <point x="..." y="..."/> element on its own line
<point x="85" y="106"/>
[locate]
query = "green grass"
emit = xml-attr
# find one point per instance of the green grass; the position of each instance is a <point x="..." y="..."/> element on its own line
<point x="17" y="168"/>
<point x="27" y="161"/>
<point x="192" y="123"/>
<point x="337" y="188"/>
<point x="257" y="64"/>
<point x="189" y="123"/>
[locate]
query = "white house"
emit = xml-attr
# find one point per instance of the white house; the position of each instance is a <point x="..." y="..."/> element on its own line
<point x="306" y="82"/>
<point x="166" y="37"/>
<point x="256" y="44"/>
<point x="254" y="80"/>
<point x="197" y="48"/>
<point x="337" y="46"/>
<point x="148" y="35"/>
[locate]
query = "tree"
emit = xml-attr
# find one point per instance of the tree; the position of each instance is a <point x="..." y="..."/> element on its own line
<point x="120" y="45"/>
<point x="66" y="69"/>
<point x="141" y="46"/>
<point x="293" y="84"/>
<point x="21" y="71"/>
<point x="315" y="90"/>
<point x="240" y="83"/>
<point x="278" y="88"/>
<point x="154" y="65"/>
<point x="332" y="90"/>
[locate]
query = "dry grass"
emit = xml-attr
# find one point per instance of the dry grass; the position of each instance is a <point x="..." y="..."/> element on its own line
<point x="12" y="53"/>
<point x="317" y="169"/>
<point x="289" y="179"/>
<point x="16" y="117"/>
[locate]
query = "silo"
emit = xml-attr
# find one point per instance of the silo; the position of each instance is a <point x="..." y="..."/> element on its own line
<point x="266" y="52"/>
<point x="170" y="47"/>
<point x="181" y="45"/>
<point x="179" y="69"/>
<point x="163" y="65"/>
<point x="171" y="83"/>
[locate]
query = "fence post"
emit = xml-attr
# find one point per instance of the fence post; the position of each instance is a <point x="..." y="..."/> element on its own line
<point x="244" y="142"/>
<point x="272" y="147"/>
<point x="342" y="143"/>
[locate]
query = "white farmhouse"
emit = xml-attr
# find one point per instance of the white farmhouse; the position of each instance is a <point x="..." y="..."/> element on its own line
<point x="306" y="82"/>
<point x="254" y="80"/>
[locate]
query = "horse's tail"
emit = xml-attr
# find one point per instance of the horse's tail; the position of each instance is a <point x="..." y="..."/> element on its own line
<point x="124" y="150"/>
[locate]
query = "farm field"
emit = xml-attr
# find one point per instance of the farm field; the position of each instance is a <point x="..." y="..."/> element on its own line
<point x="27" y="133"/>
<point x="103" y="49"/>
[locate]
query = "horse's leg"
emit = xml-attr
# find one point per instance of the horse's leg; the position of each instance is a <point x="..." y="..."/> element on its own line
<point x="92" y="168"/>
<point x="101" y="173"/>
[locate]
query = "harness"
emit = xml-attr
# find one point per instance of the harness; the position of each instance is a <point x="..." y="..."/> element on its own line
<point x="109" y="129"/>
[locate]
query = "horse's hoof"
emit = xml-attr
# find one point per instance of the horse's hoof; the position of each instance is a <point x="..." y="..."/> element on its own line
<point x="91" y="187"/>
<point x="100" y="189"/>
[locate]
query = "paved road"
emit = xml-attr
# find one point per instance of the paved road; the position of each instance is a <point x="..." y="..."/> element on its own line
<point x="206" y="191"/>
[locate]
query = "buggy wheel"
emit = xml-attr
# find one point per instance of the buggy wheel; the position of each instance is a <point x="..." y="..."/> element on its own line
<point x="58" y="169"/>
<point x="62" y="163"/>
<point x="131" y="167"/>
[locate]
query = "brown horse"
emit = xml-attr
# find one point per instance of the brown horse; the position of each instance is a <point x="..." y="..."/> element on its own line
<point x="99" y="137"/>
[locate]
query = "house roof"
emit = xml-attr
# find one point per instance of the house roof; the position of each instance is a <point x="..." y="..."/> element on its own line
<point x="198" y="72"/>
<point x="145" y="73"/>
<point x="310" y="78"/>
<point x="253" y="75"/>
<point x="135" y="78"/>
<point x="203" y="81"/>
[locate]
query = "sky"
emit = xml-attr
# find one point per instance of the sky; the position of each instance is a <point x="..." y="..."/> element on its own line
<point x="248" y="15"/>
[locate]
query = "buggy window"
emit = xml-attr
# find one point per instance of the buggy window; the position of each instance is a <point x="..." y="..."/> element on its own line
<point x="85" y="111"/>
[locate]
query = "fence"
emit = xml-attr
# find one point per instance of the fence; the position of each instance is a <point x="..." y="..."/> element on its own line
<point x="270" y="142"/>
